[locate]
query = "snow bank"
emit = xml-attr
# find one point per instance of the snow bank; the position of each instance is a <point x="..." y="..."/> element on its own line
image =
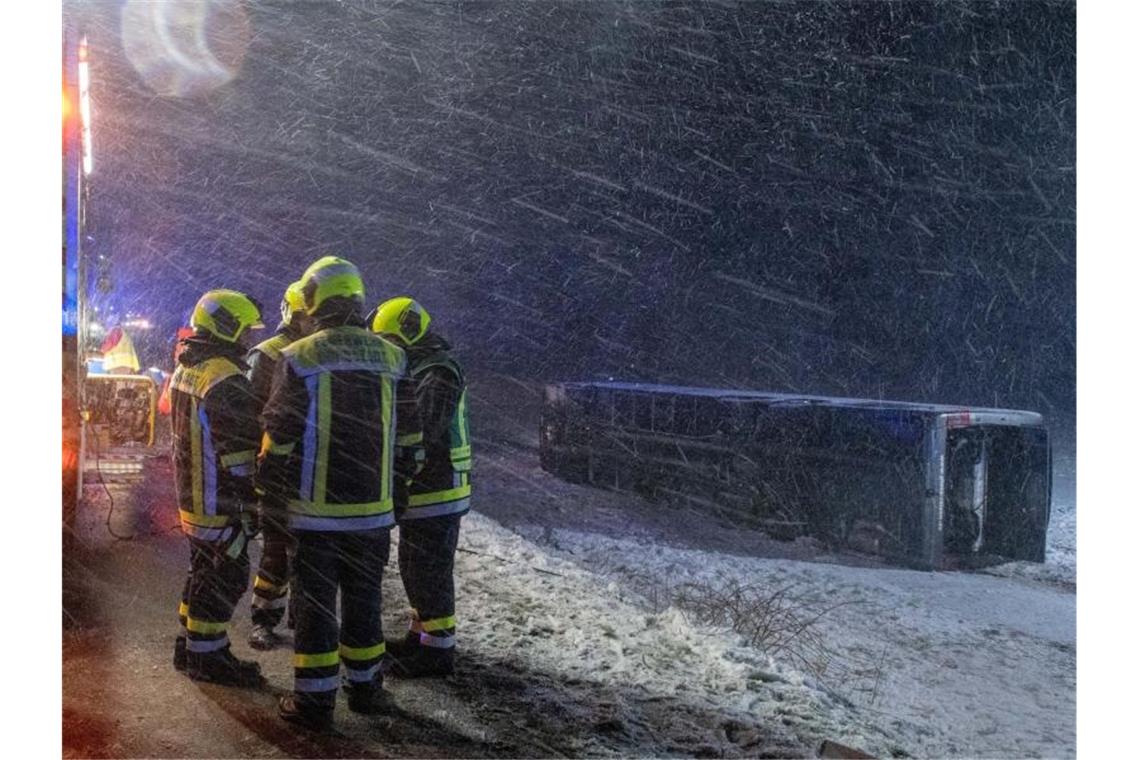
<point x="567" y="612"/>
<point x="935" y="664"/>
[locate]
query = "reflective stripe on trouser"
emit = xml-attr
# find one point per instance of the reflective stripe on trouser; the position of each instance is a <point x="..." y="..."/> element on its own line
<point x="214" y="585"/>
<point x="438" y="633"/>
<point x="315" y="675"/>
<point x="324" y="563"/>
<point x="362" y="664"/>
<point x="271" y="585"/>
<point x="427" y="564"/>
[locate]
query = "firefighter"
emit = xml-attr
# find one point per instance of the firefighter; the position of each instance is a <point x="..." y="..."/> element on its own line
<point x="430" y="505"/>
<point x="271" y="584"/>
<point x="328" y="453"/>
<point x="215" y="434"/>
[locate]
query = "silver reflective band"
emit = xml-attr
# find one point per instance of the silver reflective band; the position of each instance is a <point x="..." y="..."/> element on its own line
<point x="310" y="522"/>
<point x="211" y="645"/>
<point x="316" y="684"/>
<point x="242" y="470"/>
<point x="309" y="442"/>
<point x="269" y="604"/>
<point x="361" y="676"/>
<point x="439" y="642"/>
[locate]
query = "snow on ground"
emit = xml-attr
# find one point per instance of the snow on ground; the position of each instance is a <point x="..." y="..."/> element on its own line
<point x="951" y="664"/>
<point x="933" y="664"/>
<point x="550" y="610"/>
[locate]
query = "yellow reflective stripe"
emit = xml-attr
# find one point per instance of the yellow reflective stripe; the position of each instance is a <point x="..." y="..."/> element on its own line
<point x="183" y="609"/>
<point x="265" y="585"/>
<point x="205" y="521"/>
<point x="201" y="626"/>
<point x="340" y="510"/>
<point x="196" y="459"/>
<point x="238" y="457"/>
<point x="462" y="412"/>
<point x="461" y="458"/>
<point x="437" y="624"/>
<point x="436" y="497"/>
<point x="271" y="347"/>
<point x="324" y="419"/>
<point x="199" y="379"/>
<point x="269" y="447"/>
<point x="409" y="439"/>
<point x="322" y="660"/>
<point x="362" y="653"/>
<point x="387" y="450"/>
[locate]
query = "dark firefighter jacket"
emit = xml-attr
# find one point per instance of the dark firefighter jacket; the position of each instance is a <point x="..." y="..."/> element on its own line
<point x="442" y="486"/>
<point x="330" y="430"/>
<point x="262" y="360"/>
<point x="215" y="437"/>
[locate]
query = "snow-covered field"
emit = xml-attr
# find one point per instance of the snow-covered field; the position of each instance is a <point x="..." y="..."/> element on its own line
<point x="927" y="664"/>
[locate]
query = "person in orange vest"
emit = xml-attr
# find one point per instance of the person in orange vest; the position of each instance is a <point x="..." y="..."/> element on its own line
<point x="164" y="399"/>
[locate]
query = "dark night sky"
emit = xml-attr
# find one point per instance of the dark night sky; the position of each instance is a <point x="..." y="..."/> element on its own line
<point x="859" y="199"/>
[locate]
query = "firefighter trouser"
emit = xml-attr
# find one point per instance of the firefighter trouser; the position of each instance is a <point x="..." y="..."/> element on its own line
<point x="217" y="579"/>
<point x="324" y="562"/>
<point x="271" y="585"/>
<point x="427" y="567"/>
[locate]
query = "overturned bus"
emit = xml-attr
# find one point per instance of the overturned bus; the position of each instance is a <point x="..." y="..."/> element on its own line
<point x="921" y="485"/>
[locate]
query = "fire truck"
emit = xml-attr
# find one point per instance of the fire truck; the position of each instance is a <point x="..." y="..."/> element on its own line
<point x="77" y="165"/>
<point x="102" y="412"/>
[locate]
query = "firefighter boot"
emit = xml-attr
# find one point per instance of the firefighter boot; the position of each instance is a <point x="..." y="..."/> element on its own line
<point x="367" y="698"/>
<point x="308" y="716"/>
<point x="221" y="667"/>
<point x="263" y="637"/>
<point x="424" y="662"/>
<point x="404" y="647"/>
<point x="180" y="653"/>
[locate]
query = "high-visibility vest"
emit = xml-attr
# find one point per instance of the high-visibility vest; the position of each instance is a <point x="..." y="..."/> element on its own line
<point x="445" y="488"/>
<point x="198" y="500"/>
<point x="317" y="361"/>
<point x="119" y="352"/>
<point x="271" y="347"/>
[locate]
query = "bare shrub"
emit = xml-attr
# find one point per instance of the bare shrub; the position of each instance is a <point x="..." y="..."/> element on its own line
<point x="780" y="621"/>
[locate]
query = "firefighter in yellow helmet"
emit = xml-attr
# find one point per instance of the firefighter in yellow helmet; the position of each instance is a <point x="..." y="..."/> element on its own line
<point x="271" y="584"/>
<point x="430" y="504"/>
<point x="330" y="425"/>
<point x="215" y="440"/>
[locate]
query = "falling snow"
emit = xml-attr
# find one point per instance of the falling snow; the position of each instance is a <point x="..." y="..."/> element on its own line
<point x="844" y="198"/>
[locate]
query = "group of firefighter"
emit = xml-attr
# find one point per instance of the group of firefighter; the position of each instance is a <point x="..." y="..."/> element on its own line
<point x="321" y="438"/>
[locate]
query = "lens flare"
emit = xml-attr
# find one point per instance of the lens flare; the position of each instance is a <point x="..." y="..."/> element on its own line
<point x="185" y="48"/>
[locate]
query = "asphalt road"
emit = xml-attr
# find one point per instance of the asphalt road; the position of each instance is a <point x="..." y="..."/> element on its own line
<point x="122" y="697"/>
